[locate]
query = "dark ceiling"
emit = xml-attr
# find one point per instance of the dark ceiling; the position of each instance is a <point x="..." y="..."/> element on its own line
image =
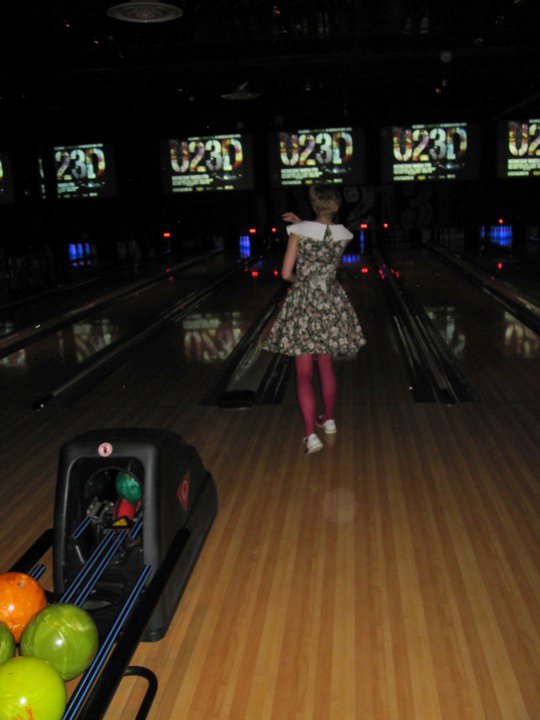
<point x="386" y="60"/>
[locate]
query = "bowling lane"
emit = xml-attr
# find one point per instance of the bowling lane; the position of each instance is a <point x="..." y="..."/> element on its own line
<point x="31" y="371"/>
<point x="176" y="367"/>
<point x="33" y="311"/>
<point x="499" y="355"/>
<point x="494" y="253"/>
<point x="378" y="375"/>
<point x="515" y="261"/>
<point x="519" y="274"/>
<point x="341" y="546"/>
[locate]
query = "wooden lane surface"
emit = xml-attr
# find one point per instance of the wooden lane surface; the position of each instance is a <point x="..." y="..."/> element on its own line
<point x="48" y="360"/>
<point x="177" y="365"/>
<point x="392" y="576"/>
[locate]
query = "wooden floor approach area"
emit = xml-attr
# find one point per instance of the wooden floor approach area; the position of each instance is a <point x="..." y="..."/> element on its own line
<point x="393" y="576"/>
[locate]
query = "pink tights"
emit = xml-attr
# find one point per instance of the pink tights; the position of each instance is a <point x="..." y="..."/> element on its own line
<point x="304" y="388"/>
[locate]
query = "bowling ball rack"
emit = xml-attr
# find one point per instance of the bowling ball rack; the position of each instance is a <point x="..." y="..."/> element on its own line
<point x="127" y="572"/>
<point x="97" y="686"/>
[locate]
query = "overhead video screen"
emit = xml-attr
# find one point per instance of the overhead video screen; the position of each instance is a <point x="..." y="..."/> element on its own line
<point x="330" y="155"/>
<point x="84" y="171"/>
<point x="6" y="180"/>
<point x="518" y="149"/>
<point x="199" y="164"/>
<point x="446" y="151"/>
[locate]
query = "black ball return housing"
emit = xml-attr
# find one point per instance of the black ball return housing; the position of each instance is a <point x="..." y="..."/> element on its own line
<point x="129" y="574"/>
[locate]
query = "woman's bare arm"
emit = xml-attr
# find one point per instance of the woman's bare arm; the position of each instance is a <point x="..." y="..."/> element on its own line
<point x="290" y="259"/>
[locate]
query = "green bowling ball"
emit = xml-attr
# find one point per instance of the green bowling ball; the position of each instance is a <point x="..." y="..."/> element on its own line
<point x="128" y="487"/>
<point x="31" y="688"/>
<point x="7" y="643"/>
<point x="64" y="635"/>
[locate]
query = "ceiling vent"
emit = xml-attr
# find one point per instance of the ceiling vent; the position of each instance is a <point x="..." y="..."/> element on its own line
<point x="144" y="11"/>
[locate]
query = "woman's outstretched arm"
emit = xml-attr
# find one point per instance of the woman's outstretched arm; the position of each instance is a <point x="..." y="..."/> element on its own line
<point x="290" y="217"/>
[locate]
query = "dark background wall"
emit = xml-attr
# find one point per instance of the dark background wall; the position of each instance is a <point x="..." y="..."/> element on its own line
<point x="71" y="74"/>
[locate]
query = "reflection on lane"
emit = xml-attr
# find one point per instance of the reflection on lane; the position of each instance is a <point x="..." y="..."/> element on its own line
<point x="17" y="359"/>
<point x="6" y="327"/>
<point x="446" y="320"/>
<point x="77" y="342"/>
<point x="51" y="360"/>
<point x="70" y="346"/>
<point x="461" y="314"/>
<point x="176" y="366"/>
<point x="498" y="353"/>
<point x="91" y="337"/>
<point x="212" y="336"/>
<point x="519" y="341"/>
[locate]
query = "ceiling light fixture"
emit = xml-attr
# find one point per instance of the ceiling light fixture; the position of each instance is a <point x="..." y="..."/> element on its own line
<point x="145" y="11"/>
<point x="241" y="93"/>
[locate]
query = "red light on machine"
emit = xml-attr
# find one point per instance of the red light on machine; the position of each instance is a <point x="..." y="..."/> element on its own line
<point x="364" y="270"/>
<point x="167" y="270"/>
<point x="499" y="266"/>
<point x="254" y="273"/>
<point x="276" y="273"/>
<point x="166" y="234"/>
<point x="385" y="226"/>
<point x="500" y="221"/>
<point x="252" y="231"/>
<point x="274" y="230"/>
<point x="364" y="226"/>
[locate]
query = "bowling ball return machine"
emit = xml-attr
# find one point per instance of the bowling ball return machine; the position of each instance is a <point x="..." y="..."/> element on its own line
<point x="128" y="571"/>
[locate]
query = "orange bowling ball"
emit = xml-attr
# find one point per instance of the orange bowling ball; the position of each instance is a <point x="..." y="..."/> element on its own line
<point x="21" y="597"/>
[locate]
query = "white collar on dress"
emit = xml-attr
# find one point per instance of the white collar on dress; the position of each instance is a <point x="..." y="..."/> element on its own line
<point x="316" y="230"/>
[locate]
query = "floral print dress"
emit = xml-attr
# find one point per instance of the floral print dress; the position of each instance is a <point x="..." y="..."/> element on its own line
<point x="317" y="316"/>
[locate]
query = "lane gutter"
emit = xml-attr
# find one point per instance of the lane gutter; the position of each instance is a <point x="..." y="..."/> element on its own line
<point x="269" y="369"/>
<point x="434" y="371"/>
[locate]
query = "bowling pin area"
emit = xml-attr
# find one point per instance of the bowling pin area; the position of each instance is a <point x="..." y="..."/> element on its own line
<point x="391" y="576"/>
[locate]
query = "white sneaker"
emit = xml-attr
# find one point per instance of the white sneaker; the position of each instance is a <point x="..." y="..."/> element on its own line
<point x="313" y="444"/>
<point x="329" y="426"/>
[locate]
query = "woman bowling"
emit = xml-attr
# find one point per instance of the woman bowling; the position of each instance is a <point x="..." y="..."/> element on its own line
<point x="317" y="320"/>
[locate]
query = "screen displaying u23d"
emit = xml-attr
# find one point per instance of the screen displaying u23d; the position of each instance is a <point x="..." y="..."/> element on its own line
<point x="329" y="155"/>
<point x="208" y="163"/>
<point x="84" y="171"/>
<point x="444" y="151"/>
<point x="6" y="180"/>
<point x="518" y="149"/>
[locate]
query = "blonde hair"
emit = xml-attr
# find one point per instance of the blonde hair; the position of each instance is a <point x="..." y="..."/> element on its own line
<point x="324" y="198"/>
